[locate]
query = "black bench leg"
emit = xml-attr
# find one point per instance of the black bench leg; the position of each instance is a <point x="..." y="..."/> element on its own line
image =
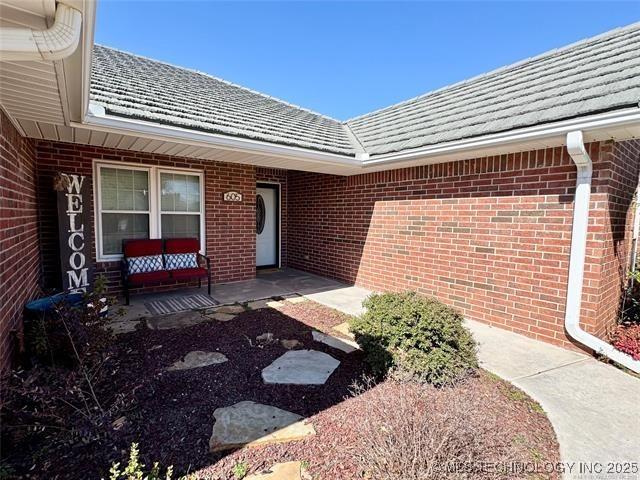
<point x="126" y="294"/>
<point x="199" y="283"/>
<point x="209" y="283"/>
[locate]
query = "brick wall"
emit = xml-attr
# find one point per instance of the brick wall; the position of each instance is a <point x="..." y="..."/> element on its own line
<point x="229" y="226"/>
<point x="490" y="236"/>
<point x="19" y="253"/>
<point x="273" y="175"/>
<point x="614" y="220"/>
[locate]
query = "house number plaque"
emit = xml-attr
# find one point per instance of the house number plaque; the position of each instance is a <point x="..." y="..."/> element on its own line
<point x="232" y="196"/>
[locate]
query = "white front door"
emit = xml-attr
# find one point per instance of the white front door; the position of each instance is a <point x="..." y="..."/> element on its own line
<point x="267" y="226"/>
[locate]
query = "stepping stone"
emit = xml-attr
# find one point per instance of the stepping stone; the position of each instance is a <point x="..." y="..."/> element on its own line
<point x="275" y="304"/>
<point x="343" y="344"/>
<point x="222" y="317"/>
<point x="300" y="367"/>
<point x="197" y="359"/>
<point x="252" y="424"/>
<point x="119" y="327"/>
<point x="258" y="304"/>
<point x="230" y="309"/>
<point x="280" y="471"/>
<point x="175" y="320"/>
<point x="343" y="328"/>
<point x="290" y="344"/>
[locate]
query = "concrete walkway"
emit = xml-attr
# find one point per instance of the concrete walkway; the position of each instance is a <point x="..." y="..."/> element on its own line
<point x="594" y="408"/>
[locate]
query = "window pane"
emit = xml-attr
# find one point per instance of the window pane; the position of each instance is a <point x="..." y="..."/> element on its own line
<point x="123" y="189"/>
<point x="179" y="193"/>
<point x="180" y="226"/>
<point x="119" y="226"/>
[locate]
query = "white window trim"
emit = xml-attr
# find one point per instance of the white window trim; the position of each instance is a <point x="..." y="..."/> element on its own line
<point x="154" y="202"/>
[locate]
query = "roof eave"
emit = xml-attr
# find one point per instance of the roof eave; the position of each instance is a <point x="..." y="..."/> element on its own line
<point x="594" y="127"/>
<point x="97" y="120"/>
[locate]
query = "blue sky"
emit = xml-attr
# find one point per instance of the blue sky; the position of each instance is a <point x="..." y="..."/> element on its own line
<point x="344" y="59"/>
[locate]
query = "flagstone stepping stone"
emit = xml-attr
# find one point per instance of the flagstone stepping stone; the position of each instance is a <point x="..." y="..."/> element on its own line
<point x="290" y="344"/>
<point x="258" y="304"/>
<point x="197" y="359"/>
<point x="343" y="344"/>
<point x="275" y="304"/>
<point x="175" y="320"/>
<point x="222" y="317"/>
<point x="230" y="309"/>
<point x="119" y="327"/>
<point x="300" y="367"/>
<point x="280" y="471"/>
<point x="252" y="424"/>
<point x="343" y="328"/>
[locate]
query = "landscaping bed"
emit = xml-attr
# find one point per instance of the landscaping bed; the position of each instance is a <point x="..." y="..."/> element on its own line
<point x="171" y="414"/>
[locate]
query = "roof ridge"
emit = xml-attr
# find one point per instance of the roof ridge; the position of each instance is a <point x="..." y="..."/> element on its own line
<point x="205" y="74"/>
<point x="520" y="63"/>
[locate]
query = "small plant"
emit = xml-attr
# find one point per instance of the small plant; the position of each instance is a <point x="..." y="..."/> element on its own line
<point x="240" y="470"/>
<point x="415" y="335"/>
<point x="135" y="469"/>
<point x="626" y="338"/>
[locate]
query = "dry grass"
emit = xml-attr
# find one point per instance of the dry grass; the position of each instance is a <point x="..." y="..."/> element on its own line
<point x="415" y="432"/>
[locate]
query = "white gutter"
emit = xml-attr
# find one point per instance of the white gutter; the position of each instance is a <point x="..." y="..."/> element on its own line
<point x="98" y="120"/>
<point x="617" y="118"/>
<point x="579" y="155"/>
<point x="54" y="43"/>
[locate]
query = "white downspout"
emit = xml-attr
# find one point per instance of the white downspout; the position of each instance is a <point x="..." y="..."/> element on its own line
<point x="580" y="157"/>
<point x="54" y="43"/>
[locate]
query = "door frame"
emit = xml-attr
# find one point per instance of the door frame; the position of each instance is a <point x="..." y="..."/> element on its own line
<point x="275" y="186"/>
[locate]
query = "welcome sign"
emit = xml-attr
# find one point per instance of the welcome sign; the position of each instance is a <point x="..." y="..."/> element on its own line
<point x="73" y="227"/>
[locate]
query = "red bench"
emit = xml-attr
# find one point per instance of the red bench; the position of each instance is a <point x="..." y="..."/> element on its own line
<point x="151" y="262"/>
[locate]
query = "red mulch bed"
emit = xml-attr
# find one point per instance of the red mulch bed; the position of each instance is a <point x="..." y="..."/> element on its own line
<point x="173" y="414"/>
<point x="626" y="338"/>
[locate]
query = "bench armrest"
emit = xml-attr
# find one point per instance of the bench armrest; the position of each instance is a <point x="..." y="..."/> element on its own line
<point x="206" y="259"/>
<point x="124" y="267"/>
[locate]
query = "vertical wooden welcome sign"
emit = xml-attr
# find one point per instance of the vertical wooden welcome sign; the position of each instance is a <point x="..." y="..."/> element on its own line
<point x="74" y="232"/>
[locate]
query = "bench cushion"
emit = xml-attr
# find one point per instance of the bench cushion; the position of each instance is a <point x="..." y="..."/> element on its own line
<point x="143" y="247"/>
<point x="189" y="273"/>
<point x="177" y="261"/>
<point x="144" y="264"/>
<point x="148" y="277"/>
<point x="181" y="245"/>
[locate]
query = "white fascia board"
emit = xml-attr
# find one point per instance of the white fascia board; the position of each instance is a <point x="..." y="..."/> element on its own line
<point x="538" y="132"/>
<point x="555" y="133"/>
<point x="107" y="123"/>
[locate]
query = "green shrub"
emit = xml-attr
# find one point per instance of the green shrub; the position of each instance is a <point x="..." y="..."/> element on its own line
<point x="135" y="470"/>
<point x="415" y="335"/>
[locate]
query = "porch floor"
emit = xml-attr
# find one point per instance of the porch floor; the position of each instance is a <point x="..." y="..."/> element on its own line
<point x="268" y="283"/>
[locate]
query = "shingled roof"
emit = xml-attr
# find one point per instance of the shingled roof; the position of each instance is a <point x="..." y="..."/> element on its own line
<point x="132" y="86"/>
<point x="588" y="77"/>
<point x="592" y="76"/>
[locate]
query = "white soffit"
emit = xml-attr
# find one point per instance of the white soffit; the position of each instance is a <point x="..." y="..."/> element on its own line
<point x="42" y="96"/>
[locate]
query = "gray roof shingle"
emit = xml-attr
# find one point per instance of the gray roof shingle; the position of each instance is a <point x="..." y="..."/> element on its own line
<point x="591" y="76"/>
<point x="136" y="87"/>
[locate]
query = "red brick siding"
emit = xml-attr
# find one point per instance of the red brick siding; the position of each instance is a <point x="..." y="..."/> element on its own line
<point x="616" y="216"/>
<point x="275" y="175"/>
<point x="490" y="236"/>
<point x="229" y="226"/>
<point x="19" y="252"/>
